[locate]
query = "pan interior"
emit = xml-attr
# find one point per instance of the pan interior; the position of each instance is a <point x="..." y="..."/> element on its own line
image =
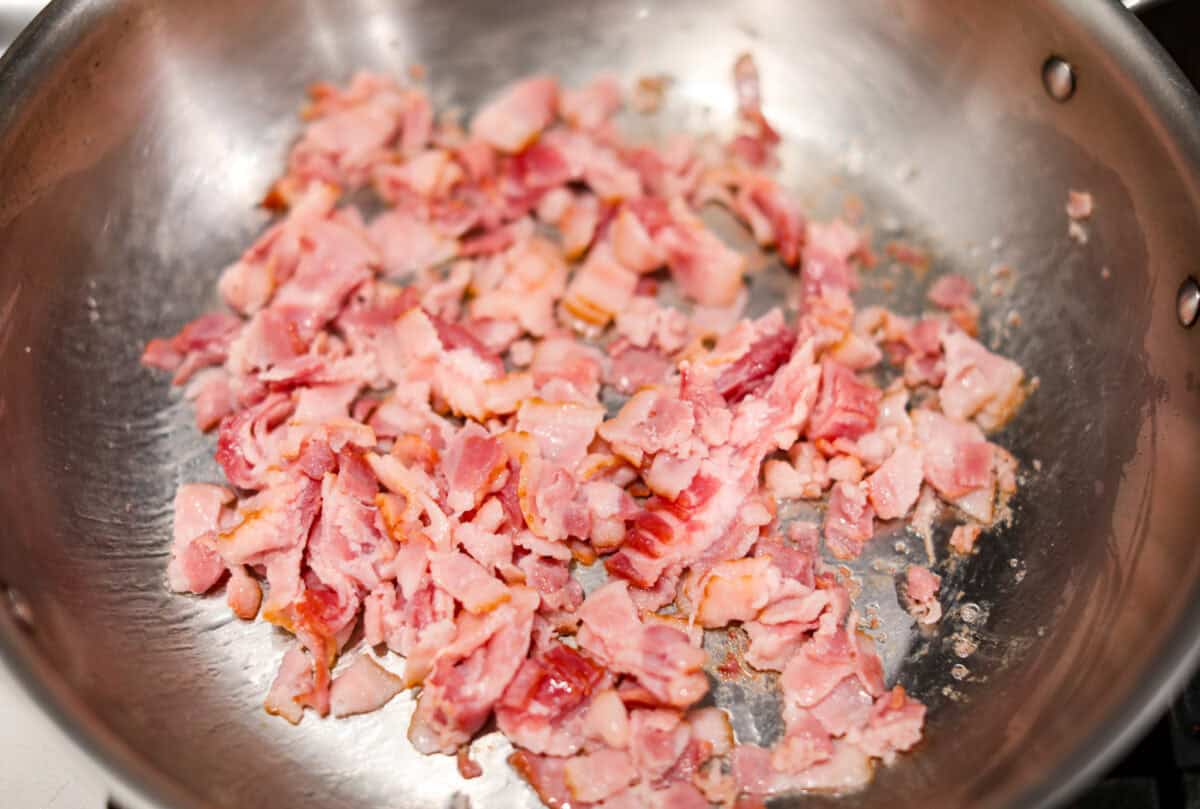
<point x="147" y="133"/>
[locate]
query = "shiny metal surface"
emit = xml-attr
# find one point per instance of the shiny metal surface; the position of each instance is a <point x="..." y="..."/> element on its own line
<point x="136" y="138"/>
<point x="1187" y="302"/>
<point x="1059" y="78"/>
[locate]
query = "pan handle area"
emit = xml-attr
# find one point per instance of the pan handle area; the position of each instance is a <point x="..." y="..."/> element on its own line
<point x="1140" y="6"/>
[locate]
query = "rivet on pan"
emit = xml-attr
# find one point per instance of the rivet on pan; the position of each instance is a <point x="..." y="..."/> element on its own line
<point x="18" y="605"/>
<point x="1059" y="78"/>
<point x="1187" y="302"/>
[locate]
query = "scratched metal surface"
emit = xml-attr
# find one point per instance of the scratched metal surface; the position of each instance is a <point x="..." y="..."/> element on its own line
<point x="135" y="138"/>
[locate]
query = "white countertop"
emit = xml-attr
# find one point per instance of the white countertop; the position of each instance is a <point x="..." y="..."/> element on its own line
<point x="39" y="768"/>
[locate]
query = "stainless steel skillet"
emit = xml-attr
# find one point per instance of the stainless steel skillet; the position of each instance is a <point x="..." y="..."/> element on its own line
<point x="136" y="137"/>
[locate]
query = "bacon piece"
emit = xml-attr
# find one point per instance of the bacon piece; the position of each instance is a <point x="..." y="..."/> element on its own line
<point x="595" y="776"/>
<point x="776" y="634"/>
<point x="951" y="292"/>
<point x="849" y="520"/>
<point x="774" y="219"/>
<point x="732" y="591"/>
<point x="350" y="131"/>
<point x="546" y="775"/>
<point x="199" y="344"/>
<point x="963" y="538"/>
<point x="243" y="593"/>
<point x="600" y="289"/>
<point x="194" y="566"/>
<point x="752" y="372"/>
<point x="826" y="257"/>
<point x="657" y="739"/>
<point x="635" y="368"/>
<point x="517" y="116"/>
<point x="633" y="245"/>
<point x="592" y="105"/>
<point x="957" y="460"/>
<point x="895" y="485"/>
<point x="645" y="323"/>
<point x="408" y="245"/>
<point x="650" y="422"/>
<point x="473" y="465"/>
<point x="470" y="674"/>
<point x="660" y="657"/>
<point x="979" y="384"/>
<point x="846" y="407"/>
<point x="463" y="577"/>
<point x="705" y="268"/>
<point x="894" y="726"/>
<point x="607" y="720"/>
<point x="806" y="742"/>
<point x="921" y="589"/>
<point x="545" y="707"/>
<point x="363" y="687"/>
<point x="293" y="681"/>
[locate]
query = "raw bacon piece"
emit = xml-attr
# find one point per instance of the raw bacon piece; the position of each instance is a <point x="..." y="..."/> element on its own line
<point x="363" y="687"/>
<point x="195" y="567"/>
<point x="469" y="675"/>
<point x="203" y="342"/>
<point x="661" y="658"/>
<point x="849" y="520"/>
<point x="895" y="485"/>
<point x="545" y="708"/>
<point x="514" y="119"/>
<point x="846" y="407"/>
<point x="921" y="589"/>
<point x="979" y="384"/>
<point x="592" y="105"/>
<point x="957" y="460"/>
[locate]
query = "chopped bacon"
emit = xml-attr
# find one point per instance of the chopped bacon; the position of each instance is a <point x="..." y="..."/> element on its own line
<point x="422" y="419"/>
<point x="894" y="486"/>
<point x="849" y="520"/>
<point x="592" y="105"/>
<point x="661" y="658"/>
<point x="471" y="585"/>
<point x="545" y="707"/>
<point x="1079" y="204"/>
<point x="203" y="342"/>
<point x="732" y="591"/>
<point x="951" y="292"/>
<point x="600" y="289"/>
<point x="469" y="675"/>
<point x="350" y="131"/>
<point x="922" y="587"/>
<point x="243" y="593"/>
<point x="846" y="407"/>
<point x="979" y="384"/>
<point x="705" y="268"/>
<point x="407" y="245"/>
<point x="964" y="537"/>
<point x="752" y="371"/>
<point x="363" y="687"/>
<point x="595" y="776"/>
<point x="473" y="464"/>
<point x="957" y="458"/>
<point x="514" y="119"/>
<point x="894" y="726"/>
<point x="195" y="567"/>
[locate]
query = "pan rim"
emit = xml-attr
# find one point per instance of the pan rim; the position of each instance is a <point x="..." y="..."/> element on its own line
<point x="1169" y="102"/>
